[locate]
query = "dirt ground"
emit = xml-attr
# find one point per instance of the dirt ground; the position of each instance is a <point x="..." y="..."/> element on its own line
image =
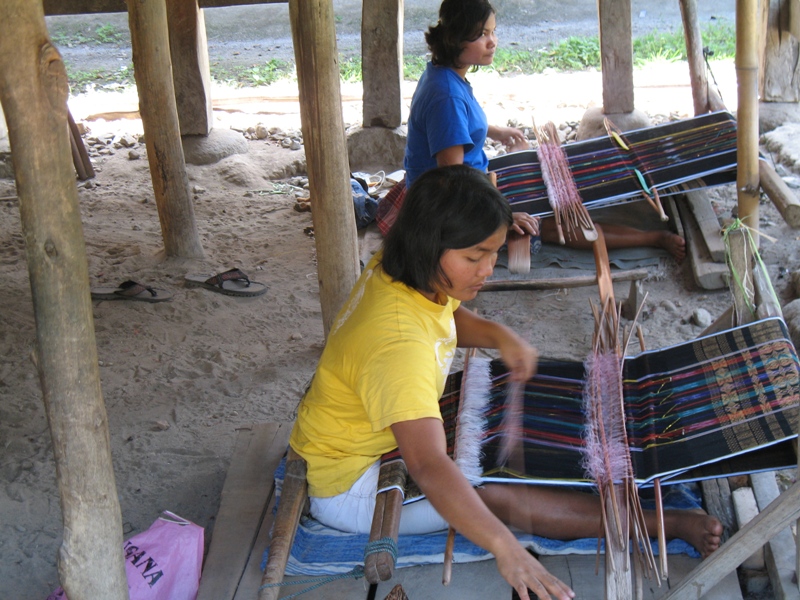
<point x="180" y="377"/>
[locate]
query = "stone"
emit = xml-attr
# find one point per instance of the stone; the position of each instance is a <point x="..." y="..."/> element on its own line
<point x="211" y="148"/>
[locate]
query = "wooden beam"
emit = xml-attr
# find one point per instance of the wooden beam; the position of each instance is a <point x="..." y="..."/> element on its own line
<point x="558" y="283"/>
<point x="191" y="73"/>
<point x="33" y="92"/>
<point x="706" y="99"/>
<point x="153" y="72"/>
<point x="84" y="7"/>
<point x="616" y="55"/>
<point x="784" y="199"/>
<point x="314" y="36"/>
<point x="382" y="62"/>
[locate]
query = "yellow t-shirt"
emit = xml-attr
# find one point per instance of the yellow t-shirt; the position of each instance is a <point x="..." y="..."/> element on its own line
<point x="386" y="360"/>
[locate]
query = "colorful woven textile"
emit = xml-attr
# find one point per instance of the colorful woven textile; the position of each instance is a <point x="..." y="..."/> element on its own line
<point x="389" y="207"/>
<point x="688" y="405"/>
<point x="700" y="148"/>
<point x="731" y="394"/>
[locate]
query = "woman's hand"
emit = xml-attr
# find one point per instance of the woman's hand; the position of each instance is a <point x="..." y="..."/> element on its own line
<point x="474" y="331"/>
<point x="523" y="572"/>
<point x="511" y="137"/>
<point x="519" y="356"/>
<point x="525" y="224"/>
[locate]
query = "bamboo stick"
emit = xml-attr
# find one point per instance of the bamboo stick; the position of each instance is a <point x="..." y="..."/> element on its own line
<point x="293" y="499"/>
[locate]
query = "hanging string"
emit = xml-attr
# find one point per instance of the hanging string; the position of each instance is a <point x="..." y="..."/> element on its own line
<point x="706" y="53"/>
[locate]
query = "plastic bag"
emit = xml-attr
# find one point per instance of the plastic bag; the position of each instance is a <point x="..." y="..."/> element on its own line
<point x="163" y="562"/>
<point x="365" y="205"/>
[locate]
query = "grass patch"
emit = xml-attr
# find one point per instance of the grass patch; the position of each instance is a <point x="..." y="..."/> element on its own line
<point x="571" y="54"/>
<point x="254" y="75"/>
<point x="83" y="81"/>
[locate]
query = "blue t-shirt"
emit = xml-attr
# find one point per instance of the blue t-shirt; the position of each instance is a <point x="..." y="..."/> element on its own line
<point x="444" y="113"/>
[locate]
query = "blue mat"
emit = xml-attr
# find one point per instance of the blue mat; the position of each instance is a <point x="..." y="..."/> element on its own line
<point x="320" y="550"/>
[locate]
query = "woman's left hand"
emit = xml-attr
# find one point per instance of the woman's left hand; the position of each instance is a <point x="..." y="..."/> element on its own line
<point x="511" y="137"/>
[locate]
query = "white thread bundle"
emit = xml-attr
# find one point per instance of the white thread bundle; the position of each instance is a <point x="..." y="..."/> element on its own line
<point x="471" y="423"/>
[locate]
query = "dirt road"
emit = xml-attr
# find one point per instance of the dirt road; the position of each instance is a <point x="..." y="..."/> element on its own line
<point x="247" y="35"/>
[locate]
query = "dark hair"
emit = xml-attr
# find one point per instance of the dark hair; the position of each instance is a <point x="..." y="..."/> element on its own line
<point x="459" y="21"/>
<point x="447" y="208"/>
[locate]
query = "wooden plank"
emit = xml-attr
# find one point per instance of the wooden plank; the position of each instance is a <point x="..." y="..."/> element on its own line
<point x="741" y="545"/>
<point x="707" y="274"/>
<point x="707" y="223"/>
<point x="251" y="577"/>
<point x="681" y="566"/>
<point x="246" y="494"/>
<point x="781" y="550"/>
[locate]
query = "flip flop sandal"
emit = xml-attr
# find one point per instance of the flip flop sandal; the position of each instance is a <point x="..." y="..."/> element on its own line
<point x="131" y="290"/>
<point x="231" y="283"/>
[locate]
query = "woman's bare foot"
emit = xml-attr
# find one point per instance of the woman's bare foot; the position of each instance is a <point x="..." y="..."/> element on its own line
<point x="701" y="530"/>
<point x="674" y="244"/>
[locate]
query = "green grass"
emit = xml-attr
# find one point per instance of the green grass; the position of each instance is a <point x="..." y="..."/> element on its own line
<point x="571" y="54"/>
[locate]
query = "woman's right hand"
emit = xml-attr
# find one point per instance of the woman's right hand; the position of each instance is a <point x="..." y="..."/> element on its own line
<point x="523" y="572"/>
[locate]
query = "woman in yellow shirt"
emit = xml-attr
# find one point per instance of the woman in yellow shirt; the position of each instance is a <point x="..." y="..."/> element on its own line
<point x="383" y="370"/>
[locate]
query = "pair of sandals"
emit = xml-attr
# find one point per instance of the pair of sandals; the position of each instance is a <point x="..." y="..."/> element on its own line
<point x="233" y="282"/>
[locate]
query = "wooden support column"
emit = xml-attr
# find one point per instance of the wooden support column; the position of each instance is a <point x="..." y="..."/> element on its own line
<point x="780" y="81"/>
<point x="747" y="178"/>
<point x="33" y="92"/>
<point x="191" y="74"/>
<point x="616" y="52"/>
<point x="332" y="210"/>
<point x="382" y="62"/>
<point x="153" y="73"/>
<point x="705" y="99"/>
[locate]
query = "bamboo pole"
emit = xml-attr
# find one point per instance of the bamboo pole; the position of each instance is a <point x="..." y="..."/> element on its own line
<point x="316" y="56"/>
<point x="747" y="178"/>
<point x="153" y="72"/>
<point x="33" y="92"/>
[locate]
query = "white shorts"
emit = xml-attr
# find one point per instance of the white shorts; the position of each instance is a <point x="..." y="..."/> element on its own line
<point x="352" y="510"/>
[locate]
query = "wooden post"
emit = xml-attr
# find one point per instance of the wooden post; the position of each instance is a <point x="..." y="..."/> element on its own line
<point x="616" y="53"/>
<point x="332" y="210"/>
<point x="33" y="92"/>
<point x="705" y="99"/>
<point x="153" y="73"/>
<point x="781" y="76"/>
<point x="382" y="62"/>
<point x="191" y="74"/>
<point x="747" y="180"/>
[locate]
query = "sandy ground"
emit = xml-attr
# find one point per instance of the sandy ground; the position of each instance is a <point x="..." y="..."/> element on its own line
<point x="180" y="377"/>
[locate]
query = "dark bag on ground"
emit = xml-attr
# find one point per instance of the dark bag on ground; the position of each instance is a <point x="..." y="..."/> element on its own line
<point x="365" y="205"/>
